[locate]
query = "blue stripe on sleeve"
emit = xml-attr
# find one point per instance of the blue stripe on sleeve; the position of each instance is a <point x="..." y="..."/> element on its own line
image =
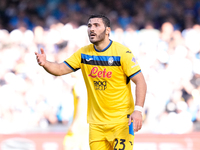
<point x="69" y="66"/>
<point x="135" y="74"/>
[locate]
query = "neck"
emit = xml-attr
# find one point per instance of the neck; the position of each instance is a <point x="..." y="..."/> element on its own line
<point x="102" y="45"/>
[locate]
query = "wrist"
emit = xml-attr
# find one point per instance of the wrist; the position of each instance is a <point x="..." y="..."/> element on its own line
<point x="44" y="64"/>
<point x="138" y="108"/>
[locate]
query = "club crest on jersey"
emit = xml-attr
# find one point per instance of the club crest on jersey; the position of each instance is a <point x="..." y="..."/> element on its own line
<point x="110" y="61"/>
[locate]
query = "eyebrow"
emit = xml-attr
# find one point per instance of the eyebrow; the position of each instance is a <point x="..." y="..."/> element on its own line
<point x="93" y="23"/>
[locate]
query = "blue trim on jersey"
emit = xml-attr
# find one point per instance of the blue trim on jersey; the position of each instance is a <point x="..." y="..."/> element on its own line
<point x="99" y="58"/>
<point x="134" y="74"/>
<point x="104" y="48"/>
<point x="69" y="66"/>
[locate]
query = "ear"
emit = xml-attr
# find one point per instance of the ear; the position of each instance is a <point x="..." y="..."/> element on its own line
<point x="108" y="30"/>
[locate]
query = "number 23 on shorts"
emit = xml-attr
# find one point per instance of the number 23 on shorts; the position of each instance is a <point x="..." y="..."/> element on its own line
<point x="125" y="144"/>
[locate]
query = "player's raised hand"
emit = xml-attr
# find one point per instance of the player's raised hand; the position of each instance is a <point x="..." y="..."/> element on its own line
<point x="41" y="58"/>
<point x="136" y="117"/>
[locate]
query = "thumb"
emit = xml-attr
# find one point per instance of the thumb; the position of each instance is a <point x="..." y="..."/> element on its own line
<point x="42" y="51"/>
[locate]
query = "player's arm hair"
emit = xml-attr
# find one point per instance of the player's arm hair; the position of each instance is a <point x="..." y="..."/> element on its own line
<point x="141" y="89"/>
<point x="57" y="69"/>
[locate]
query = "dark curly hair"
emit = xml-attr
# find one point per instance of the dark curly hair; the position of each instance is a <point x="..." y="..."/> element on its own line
<point x="106" y="21"/>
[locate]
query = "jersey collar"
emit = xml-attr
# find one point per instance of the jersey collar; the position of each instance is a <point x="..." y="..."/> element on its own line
<point x="104" y="48"/>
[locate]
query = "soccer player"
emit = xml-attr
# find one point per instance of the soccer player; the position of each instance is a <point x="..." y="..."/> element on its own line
<point x="107" y="68"/>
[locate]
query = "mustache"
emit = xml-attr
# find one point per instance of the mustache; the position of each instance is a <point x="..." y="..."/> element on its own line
<point x="92" y="33"/>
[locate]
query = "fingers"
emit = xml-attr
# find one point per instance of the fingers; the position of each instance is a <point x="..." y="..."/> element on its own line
<point x="42" y="50"/>
<point x="135" y="128"/>
<point x="129" y="121"/>
<point x="39" y="60"/>
<point x="41" y="57"/>
<point x="136" y="117"/>
<point x="137" y="125"/>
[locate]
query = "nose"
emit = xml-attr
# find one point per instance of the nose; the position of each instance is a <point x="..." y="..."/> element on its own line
<point x="91" y="28"/>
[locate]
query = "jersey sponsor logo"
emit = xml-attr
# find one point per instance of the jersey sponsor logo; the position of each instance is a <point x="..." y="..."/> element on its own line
<point x="96" y="73"/>
<point x="100" y="85"/>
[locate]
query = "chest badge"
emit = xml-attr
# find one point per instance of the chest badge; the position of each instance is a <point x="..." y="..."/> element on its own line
<point x="110" y="61"/>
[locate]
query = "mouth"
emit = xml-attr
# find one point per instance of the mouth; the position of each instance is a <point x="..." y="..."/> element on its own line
<point x="92" y="35"/>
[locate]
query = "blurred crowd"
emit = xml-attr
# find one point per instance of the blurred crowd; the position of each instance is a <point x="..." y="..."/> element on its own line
<point x="164" y="36"/>
<point x="181" y="13"/>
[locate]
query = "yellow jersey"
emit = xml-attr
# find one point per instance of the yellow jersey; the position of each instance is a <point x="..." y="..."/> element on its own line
<point x="107" y="76"/>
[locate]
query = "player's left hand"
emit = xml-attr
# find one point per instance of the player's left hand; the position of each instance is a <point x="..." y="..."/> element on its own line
<point x="136" y="117"/>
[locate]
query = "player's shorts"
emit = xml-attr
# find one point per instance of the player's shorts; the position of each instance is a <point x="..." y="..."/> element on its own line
<point x="118" y="136"/>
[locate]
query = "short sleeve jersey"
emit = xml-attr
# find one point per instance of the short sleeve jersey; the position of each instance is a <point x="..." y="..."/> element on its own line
<point x="107" y="76"/>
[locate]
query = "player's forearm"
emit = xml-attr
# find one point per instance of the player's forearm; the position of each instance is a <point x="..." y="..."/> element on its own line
<point x="141" y="89"/>
<point x="53" y="68"/>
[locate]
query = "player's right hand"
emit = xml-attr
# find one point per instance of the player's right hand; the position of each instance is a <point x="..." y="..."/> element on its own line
<point x="41" y="58"/>
<point x="136" y="117"/>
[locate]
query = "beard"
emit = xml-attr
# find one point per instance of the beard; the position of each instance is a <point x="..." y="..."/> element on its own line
<point x="99" y="38"/>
